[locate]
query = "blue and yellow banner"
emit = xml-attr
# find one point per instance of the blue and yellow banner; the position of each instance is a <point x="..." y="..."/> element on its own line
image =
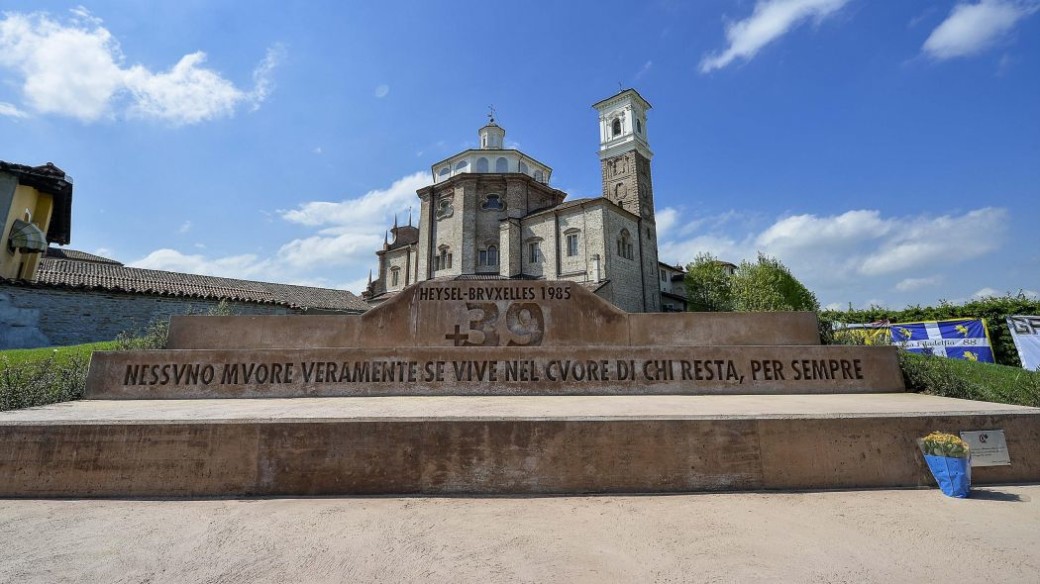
<point x="957" y="339"/>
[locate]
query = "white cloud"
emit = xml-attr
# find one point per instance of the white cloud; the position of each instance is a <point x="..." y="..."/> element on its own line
<point x="909" y="284"/>
<point x="356" y="286"/>
<point x="186" y="94"/>
<point x="770" y="20"/>
<point x="351" y="230"/>
<point x="972" y="28"/>
<point x="245" y="266"/>
<point x="9" y="110"/>
<point x="810" y="231"/>
<point x="923" y="241"/>
<point x="382" y="90"/>
<point x="75" y="68"/>
<point x="369" y="211"/>
<point x="336" y="250"/>
<point x="348" y="233"/>
<point x="666" y="219"/>
<point x="185" y="227"/>
<point x="987" y="293"/>
<point x="851" y="254"/>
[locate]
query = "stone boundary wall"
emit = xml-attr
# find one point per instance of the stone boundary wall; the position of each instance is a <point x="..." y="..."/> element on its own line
<point x="41" y="317"/>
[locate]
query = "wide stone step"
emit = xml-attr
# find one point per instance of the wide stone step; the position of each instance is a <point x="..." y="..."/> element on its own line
<point x="492" y="445"/>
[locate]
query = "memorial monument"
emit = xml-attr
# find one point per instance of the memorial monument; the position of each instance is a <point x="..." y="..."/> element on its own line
<point x="499" y="360"/>
<point x="471" y="386"/>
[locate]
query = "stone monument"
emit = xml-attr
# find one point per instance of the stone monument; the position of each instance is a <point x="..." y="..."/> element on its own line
<point x="492" y="386"/>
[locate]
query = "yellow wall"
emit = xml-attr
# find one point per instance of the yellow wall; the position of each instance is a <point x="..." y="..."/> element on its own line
<point x="41" y="205"/>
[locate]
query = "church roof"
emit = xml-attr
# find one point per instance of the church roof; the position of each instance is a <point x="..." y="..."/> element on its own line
<point x="634" y="93"/>
<point x="577" y="202"/>
<point x="115" y="277"/>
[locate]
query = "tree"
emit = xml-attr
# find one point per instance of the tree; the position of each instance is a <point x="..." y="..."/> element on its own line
<point x="709" y="286"/>
<point x="767" y="285"/>
<point x="760" y="286"/>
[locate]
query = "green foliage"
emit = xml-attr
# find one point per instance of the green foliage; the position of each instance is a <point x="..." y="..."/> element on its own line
<point x="767" y="285"/>
<point x="51" y="378"/>
<point x="152" y="337"/>
<point x="970" y="380"/>
<point x="994" y="309"/>
<point x="709" y="287"/>
<point x="759" y="286"/>
<point x="59" y="354"/>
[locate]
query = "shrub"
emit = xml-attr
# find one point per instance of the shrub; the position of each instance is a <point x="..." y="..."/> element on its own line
<point x="154" y="336"/>
<point x="970" y="380"/>
<point x="38" y="382"/>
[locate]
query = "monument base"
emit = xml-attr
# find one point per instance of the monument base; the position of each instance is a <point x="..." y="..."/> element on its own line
<point x="492" y="445"/>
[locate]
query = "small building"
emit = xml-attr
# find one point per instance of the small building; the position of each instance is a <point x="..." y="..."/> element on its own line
<point x="36" y="208"/>
<point x="673" y="288"/>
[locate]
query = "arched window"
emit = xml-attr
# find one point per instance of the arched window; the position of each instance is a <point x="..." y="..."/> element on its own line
<point x="625" y="248"/>
<point x="616" y="127"/>
<point x="539" y="176"/>
<point x="442" y="260"/>
<point x="523" y="168"/>
<point x="395" y="276"/>
<point x="482" y="164"/>
<point x="639" y="126"/>
<point x="461" y="166"/>
<point x="534" y="251"/>
<point x="489" y="256"/>
<point x="443" y="173"/>
<point x="572" y="242"/>
<point x="501" y="165"/>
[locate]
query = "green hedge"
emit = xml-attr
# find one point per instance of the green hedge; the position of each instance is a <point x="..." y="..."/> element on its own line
<point x="995" y="310"/>
<point x="970" y="380"/>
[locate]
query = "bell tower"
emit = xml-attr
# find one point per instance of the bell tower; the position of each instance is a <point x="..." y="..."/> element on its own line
<point x="624" y="152"/>
<point x="624" y="155"/>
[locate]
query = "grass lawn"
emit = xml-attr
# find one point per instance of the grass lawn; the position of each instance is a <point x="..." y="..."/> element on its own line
<point x="60" y="354"/>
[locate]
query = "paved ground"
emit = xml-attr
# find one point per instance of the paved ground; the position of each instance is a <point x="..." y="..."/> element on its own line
<point x="851" y="536"/>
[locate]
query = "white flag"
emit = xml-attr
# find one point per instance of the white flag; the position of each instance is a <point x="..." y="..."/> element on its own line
<point x="1025" y="331"/>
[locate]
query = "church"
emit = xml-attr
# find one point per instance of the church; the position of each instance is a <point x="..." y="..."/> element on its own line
<point x="492" y="214"/>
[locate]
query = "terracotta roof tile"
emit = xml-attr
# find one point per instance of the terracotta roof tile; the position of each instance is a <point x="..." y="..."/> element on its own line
<point x="119" y="278"/>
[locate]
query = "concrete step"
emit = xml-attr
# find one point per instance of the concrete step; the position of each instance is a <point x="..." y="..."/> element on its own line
<point x="492" y="444"/>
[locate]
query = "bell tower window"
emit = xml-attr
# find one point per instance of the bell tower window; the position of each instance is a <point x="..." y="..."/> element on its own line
<point x="615" y="128"/>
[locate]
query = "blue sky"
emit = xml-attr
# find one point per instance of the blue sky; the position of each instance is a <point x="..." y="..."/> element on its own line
<point x="887" y="152"/>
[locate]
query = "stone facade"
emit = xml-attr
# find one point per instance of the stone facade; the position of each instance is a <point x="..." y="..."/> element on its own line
<point x="490" y="213"/>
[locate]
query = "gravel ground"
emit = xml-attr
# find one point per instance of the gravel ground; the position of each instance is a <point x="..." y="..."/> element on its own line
<point x="839" y="536"/>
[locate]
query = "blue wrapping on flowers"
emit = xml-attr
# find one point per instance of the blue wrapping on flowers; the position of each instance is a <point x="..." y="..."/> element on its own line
<point x="952" y="474"/>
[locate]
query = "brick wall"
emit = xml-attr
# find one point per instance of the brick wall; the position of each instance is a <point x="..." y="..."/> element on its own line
<point x="35" y="317"/>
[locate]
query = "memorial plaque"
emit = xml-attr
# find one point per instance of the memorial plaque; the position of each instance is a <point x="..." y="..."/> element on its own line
<point x="987" y="447"/>
<point x="497" y="338"/>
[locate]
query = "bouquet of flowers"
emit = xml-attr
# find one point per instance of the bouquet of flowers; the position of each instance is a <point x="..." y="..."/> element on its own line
<point x="950" y="462"/>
